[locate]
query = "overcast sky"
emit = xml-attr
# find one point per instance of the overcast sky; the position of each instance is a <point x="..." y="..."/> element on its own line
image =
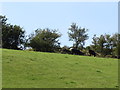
<point x="98" y="17"/>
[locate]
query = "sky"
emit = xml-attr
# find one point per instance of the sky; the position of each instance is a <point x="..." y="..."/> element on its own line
<point x="98" y="17"/>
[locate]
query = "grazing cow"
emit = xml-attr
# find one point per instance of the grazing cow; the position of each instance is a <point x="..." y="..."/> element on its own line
<point x="76" y="52"/>
<point x="91" y="52"/>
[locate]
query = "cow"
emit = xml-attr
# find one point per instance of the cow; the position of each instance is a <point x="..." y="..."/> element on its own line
<point x="91" y="52"/>
<point x="76" y="52"/>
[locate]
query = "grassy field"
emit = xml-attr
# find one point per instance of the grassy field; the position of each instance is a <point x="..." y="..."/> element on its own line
<point x="0" y="69"/>
<point x="28" y="69"/>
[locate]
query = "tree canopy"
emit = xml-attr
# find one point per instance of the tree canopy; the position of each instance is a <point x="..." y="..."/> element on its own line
<point x="13" y="36"/>
<point x="45" y="40"/>
<point x="77" y="35"/>
<point x="107" y="44"/>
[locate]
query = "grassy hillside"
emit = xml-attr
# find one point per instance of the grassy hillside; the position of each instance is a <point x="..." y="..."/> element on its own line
<point x="28" y="69"/>
<point x="0" y="68"/>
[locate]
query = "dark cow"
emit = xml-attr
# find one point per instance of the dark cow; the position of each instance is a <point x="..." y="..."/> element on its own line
<point x="91" y="52"/>
<point x="76" y="52"/>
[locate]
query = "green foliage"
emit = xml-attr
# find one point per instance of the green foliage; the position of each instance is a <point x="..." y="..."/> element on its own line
<point x="116" y="45"/>
<point x="45" y="40"/>
<point x="29" y="69"/>
<point x="101" y="43"/>
<point x="95" y="43"/>
<point x="107" y="44"/>
<point x="77" y="35"/>
<point x="3" y="20"/>
<point x="12" y="35"/>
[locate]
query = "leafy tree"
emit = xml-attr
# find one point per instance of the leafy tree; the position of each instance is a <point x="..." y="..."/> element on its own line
<point x="118" y="47"/>
<point x="77" y="35"/>
<point x="101" y="43"/>
<point x="107" y="44"/>
<point x="13" y="36"/>
<point x="45" y="40"/>
<point x="3" y="20"/>
<point x="95" y="43"/>
<point x="116" y="44"/>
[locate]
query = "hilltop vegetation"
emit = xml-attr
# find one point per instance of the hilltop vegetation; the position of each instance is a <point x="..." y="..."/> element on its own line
<point x="47" y="40"/>
<point x="29" y="69"/>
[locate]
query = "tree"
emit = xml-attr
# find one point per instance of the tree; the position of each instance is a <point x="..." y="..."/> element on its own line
<point x="116" y="44"/>
<point x="13" y="36"/>
<point x="77" y="35"/>
<point x="95" y="43"/>
<point x="107" y="44"/>
<point x="118" y="47"/>
<point x="45" y="40"/>
<point x="101" y="43"/>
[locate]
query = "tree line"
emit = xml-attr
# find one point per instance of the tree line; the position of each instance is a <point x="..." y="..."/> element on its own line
<point x="47" y="40"/>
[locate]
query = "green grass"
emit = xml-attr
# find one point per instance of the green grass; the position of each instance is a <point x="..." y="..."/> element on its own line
<point x="0" y="69"/>
<point x="28" y="69"/>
